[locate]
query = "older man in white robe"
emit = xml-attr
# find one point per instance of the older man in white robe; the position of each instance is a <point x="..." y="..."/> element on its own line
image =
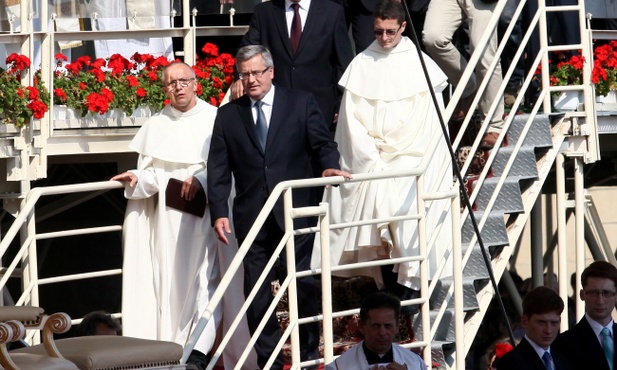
<point x="388" y="121"/>
<point x="171" y="257"/>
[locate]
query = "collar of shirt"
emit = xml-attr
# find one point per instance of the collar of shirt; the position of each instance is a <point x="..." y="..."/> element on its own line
<point x="289" y="12"/>
<point x="597" y="327"/>
<point x="374" y="358"/>
<point x="539" y="350"/>
<point x="268" y="101"/>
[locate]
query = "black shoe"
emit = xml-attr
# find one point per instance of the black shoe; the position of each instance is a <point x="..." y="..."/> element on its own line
<point x="197" y="361"/>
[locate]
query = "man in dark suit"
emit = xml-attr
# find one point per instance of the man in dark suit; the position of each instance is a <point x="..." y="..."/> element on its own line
<point x="584" y="344"/>
<point x="542" y="309"/>
<point x="296" y="133"/>
<point x="359" y="16"/>
<point x="323" y="52"/>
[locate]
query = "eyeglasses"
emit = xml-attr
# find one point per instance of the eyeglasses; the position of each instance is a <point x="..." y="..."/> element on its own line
<point x="389" y="32"/>
<point x="603" y="293"/>
<point x="184" y="82"/>
<point x="258" y="74"/>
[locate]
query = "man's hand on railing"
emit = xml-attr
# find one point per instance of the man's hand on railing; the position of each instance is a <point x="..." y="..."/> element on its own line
<point x="126" y="177"/>
<point x="222" y="229"/>
<point x="334" y="172"/>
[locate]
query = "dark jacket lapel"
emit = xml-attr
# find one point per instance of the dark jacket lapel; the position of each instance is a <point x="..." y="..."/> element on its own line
<point x="311" y="24"/>
<point x="278" y="15"/>
<point x="246" y="115"/>
<point x="279" y="113"/>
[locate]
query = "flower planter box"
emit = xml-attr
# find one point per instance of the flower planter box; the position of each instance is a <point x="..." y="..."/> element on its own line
<point x="67" y="118"/>
<point x="607" y="103"/>
<point x="568" y="101"/>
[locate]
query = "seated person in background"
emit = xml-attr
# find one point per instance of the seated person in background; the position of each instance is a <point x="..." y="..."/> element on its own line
<point x="98" y="323"/>
<point x="379" y="324"/>
<point x="542" y="308"/>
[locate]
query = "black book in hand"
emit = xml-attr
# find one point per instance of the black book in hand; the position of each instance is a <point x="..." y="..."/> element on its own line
<point x="196" y="206"/>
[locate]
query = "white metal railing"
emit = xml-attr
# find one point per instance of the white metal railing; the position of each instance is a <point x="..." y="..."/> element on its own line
<point x="188" y="31"/>
<point x="27" y="257"/>
<point x="284" y="189"/>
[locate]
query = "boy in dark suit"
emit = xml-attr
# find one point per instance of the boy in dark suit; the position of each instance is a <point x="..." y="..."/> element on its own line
<point x="542" y="309"/>
<point x="590" y="344"/>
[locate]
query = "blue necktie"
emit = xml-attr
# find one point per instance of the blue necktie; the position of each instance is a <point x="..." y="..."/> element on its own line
<point x="548" y="363"/>
<point x="261" y="125"/>
<point x="607" y="344"/>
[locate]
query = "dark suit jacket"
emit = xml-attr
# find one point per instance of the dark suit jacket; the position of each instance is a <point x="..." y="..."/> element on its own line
<point x="582" y="347"/>
<point x="297" y="132"/>
<point x="322" y="56"/>
<point x="525" y="357"/>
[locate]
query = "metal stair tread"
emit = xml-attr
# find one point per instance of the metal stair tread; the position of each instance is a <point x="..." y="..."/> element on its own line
<point x="509" y="199"/>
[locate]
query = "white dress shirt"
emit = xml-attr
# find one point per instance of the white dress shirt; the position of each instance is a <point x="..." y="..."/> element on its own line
<point x="289" y="13"/>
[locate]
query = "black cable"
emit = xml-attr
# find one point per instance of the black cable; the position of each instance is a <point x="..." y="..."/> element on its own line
<point x="459" y="176"/>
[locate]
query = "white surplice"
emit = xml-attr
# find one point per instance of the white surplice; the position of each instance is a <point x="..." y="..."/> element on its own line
<point x="354" y="358"/>
<point x="172" y="260"/>
<point x="386" y="122"/>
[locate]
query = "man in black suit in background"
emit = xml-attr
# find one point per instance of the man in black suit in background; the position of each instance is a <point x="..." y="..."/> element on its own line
<point x="542" y="309"/>
<point x="320" y="57"/>
<point x="260" y="146"/>
<point x="590" y="343"/>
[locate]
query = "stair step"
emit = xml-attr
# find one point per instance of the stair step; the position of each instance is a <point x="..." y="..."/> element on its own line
<point x="493" y="232"/>
<point x="539" y="134"/>
<point x="524" y="167"/>
<point x="440" y="351"/>
<point x="475" y="266"/>
<point x="509" y="199"/>
<point x="445" y="329"/>
<point x="470" y="301"/>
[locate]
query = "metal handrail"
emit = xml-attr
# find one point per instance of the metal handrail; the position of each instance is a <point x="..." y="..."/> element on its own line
<point x="284" y="189"/>
<point x="26" y="253"/>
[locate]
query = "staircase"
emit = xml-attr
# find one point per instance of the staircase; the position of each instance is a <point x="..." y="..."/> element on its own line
<point x="514" y="179"/>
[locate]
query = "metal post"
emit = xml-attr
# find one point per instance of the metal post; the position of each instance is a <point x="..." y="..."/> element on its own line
<point x="537" y="266"/>
<point x="457" y="272"/>
<point x="292" y="291"/>
<point x="326" y="285"/>
<point x="579" y="225"/>
<point x="562" y="240"/>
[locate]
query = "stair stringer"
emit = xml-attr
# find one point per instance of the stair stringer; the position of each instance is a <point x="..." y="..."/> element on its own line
<point x="516" y="224"/>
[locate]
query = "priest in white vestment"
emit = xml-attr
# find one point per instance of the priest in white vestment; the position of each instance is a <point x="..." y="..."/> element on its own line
<point x="379" y="324"/>
<point x="172" y="259"/>
<point x="387" y="122"/>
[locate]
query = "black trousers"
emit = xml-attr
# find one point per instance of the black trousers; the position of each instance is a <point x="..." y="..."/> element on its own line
<point x="254" y="265"/>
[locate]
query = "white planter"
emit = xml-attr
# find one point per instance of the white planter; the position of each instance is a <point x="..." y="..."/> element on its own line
<point x="62" y="112"/>
<point x="607" y="102"/>
<point x="68" y="118"/>
<point x="142" y="111"/>
<point x="568" y="101"/>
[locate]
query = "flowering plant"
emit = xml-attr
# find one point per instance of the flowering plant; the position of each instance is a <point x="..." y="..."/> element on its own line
<point x="568" y="72"/>
<point x="603" y="73"/>
<point x="116" y="82"/>
<point x="19" y="103"/>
